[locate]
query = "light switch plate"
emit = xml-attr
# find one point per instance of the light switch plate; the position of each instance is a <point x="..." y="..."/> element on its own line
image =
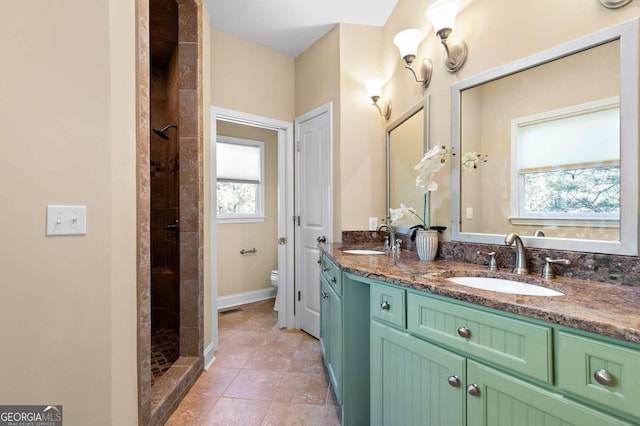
<point x="66" y="220"/>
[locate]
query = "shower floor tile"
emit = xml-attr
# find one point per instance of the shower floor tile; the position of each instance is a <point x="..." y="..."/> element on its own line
<point x="165" y="350"/>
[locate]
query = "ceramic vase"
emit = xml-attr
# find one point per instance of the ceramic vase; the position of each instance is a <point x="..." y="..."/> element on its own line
<point x="427" y="244"/>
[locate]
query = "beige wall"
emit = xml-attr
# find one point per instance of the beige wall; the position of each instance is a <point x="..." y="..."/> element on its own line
<point x="68" y="304"/>
<point x="362" y="141"/>
<point x="529" y="27"/>
<point x="242" y="273"/>
<point x="249" y="78"/>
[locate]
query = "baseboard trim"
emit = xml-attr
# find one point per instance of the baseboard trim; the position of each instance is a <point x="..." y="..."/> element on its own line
<point x="209" y="356"/>
<point x="246" y="297"/>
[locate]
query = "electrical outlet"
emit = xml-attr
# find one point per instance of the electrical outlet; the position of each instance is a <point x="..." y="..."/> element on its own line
<point x="469" y="212"/>
<point x="373" y="223"/>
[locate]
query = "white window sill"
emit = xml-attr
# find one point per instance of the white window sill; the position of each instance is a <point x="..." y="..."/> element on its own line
<point x="585" y="223"/>
<point x="254" y="219"/>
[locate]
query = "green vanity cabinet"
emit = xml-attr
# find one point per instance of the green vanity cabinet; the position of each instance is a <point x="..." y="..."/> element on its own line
<point x="452" y="363"/>
<point x="331" y="334"/>
<point x="401" y="356"/>
<point x="498" y="399"/>
<point x="344" y="338"/>
<point x="414" y="382"/>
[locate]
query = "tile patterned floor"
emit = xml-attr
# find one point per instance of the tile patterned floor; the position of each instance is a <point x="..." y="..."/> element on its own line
<point x="165" y="350"/>
<point x="262" y="376"/>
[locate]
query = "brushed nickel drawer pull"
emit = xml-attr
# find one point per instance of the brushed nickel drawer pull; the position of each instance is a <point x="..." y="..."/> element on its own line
<point x="603" y="377"/>
<point x="473" y="390"/>
<point x="464" y="332"/>
<point x="333" y="279"/>
<point x="385" y="305"/>
<point x="454" y="381"/>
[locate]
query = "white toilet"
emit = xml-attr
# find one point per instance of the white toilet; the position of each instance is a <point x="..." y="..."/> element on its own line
<point x="274" y="282"/>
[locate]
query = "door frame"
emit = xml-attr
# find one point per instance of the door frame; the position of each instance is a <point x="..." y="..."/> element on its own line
<point x="284" y="130"/>
<point x="325" y="108"/>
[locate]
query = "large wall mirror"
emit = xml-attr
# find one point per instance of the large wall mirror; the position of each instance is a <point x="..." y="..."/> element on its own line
<point x="407" y="141"/>
<point x="560" y="129"/>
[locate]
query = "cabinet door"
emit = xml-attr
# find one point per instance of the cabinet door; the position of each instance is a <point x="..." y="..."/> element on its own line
<point x="502" y="400"/>
<point x="410" y="381"/>
<point x="331" y="334"/>
<point x="324" y="316"/>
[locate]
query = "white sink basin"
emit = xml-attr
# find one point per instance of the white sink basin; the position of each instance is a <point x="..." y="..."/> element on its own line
<point x="363" y="251"/>
<point x="505" y="286"/>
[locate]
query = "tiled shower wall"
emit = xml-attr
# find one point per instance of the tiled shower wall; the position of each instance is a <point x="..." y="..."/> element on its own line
<point x="165" y="208"/>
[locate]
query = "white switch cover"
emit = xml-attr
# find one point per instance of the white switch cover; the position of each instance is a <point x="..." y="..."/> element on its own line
<point x="66" y="220"/>
<point x="469" y="212"/>
<point x="373" y="223"/>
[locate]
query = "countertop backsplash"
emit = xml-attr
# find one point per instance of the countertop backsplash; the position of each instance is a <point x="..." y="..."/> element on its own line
<point x="614" y="269"/>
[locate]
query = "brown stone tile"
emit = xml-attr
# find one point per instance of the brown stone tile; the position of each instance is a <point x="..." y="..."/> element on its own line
<point x="332" y="416"/>
<point x="188" y="105"/>
<point x="303" y="388"/>
<point x="277" y="359"/>
<point x="241" y="412"/>
<point x="188" y="65"/>
<point x="188" y="256"/>
<point x="187" y="22"/>
<point x="189" y="148"/>
<point x="234" y="356"/>
<point x="189" y="209"/>
<point x="193" y="410"/>
<point x="189" y="341"/>
<point x="307" y="361"/>
<point x="215" y="380"/>
<point x="280" y="414"/>
<point x="332" y="400"/>
<point x="188" y="300"/>
<point x="255" y="384"/>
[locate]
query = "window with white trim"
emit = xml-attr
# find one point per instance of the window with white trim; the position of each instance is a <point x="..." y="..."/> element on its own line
<point x="567" y="166"/>
<point x="240" y="180"/>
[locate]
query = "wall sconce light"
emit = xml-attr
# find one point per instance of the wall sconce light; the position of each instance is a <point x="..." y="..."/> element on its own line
<point x="407" y="42"/>
<point x="614" y="4"/>
<point x="442" y="15"/>
<point x="374" y="86"/>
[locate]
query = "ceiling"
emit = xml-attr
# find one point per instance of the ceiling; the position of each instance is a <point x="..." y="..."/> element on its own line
<point x="291" y="26"/>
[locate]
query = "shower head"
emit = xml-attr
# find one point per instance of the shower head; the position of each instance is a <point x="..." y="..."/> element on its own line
<point x="162" y="131"/>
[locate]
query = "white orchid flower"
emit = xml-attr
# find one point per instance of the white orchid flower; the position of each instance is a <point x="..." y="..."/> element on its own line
<point x="470" y="160"/>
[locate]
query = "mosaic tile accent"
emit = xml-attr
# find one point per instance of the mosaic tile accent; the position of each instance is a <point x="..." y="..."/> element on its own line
<point x="165" y="350"/>
<point x="164" y="168"/>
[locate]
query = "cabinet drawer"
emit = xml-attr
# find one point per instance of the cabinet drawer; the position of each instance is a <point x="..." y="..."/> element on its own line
<point x="510" y="343"/>
<point x="579" y="358"/>
<point x="332" y="273"/>
<point x="387" y="304"/>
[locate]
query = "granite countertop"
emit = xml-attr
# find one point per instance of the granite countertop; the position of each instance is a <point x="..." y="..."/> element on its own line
<point x="608" y="309"/>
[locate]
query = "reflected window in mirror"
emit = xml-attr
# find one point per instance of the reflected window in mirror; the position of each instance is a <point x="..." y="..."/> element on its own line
<point x="567" y="170"/>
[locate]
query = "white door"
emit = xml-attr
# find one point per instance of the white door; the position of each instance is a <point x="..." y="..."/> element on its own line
<point x="313" y="210"/>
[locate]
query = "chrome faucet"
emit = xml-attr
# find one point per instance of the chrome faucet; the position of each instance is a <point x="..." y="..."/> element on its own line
<point x="520" y="266"/>
<point x="391" y="231"/>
